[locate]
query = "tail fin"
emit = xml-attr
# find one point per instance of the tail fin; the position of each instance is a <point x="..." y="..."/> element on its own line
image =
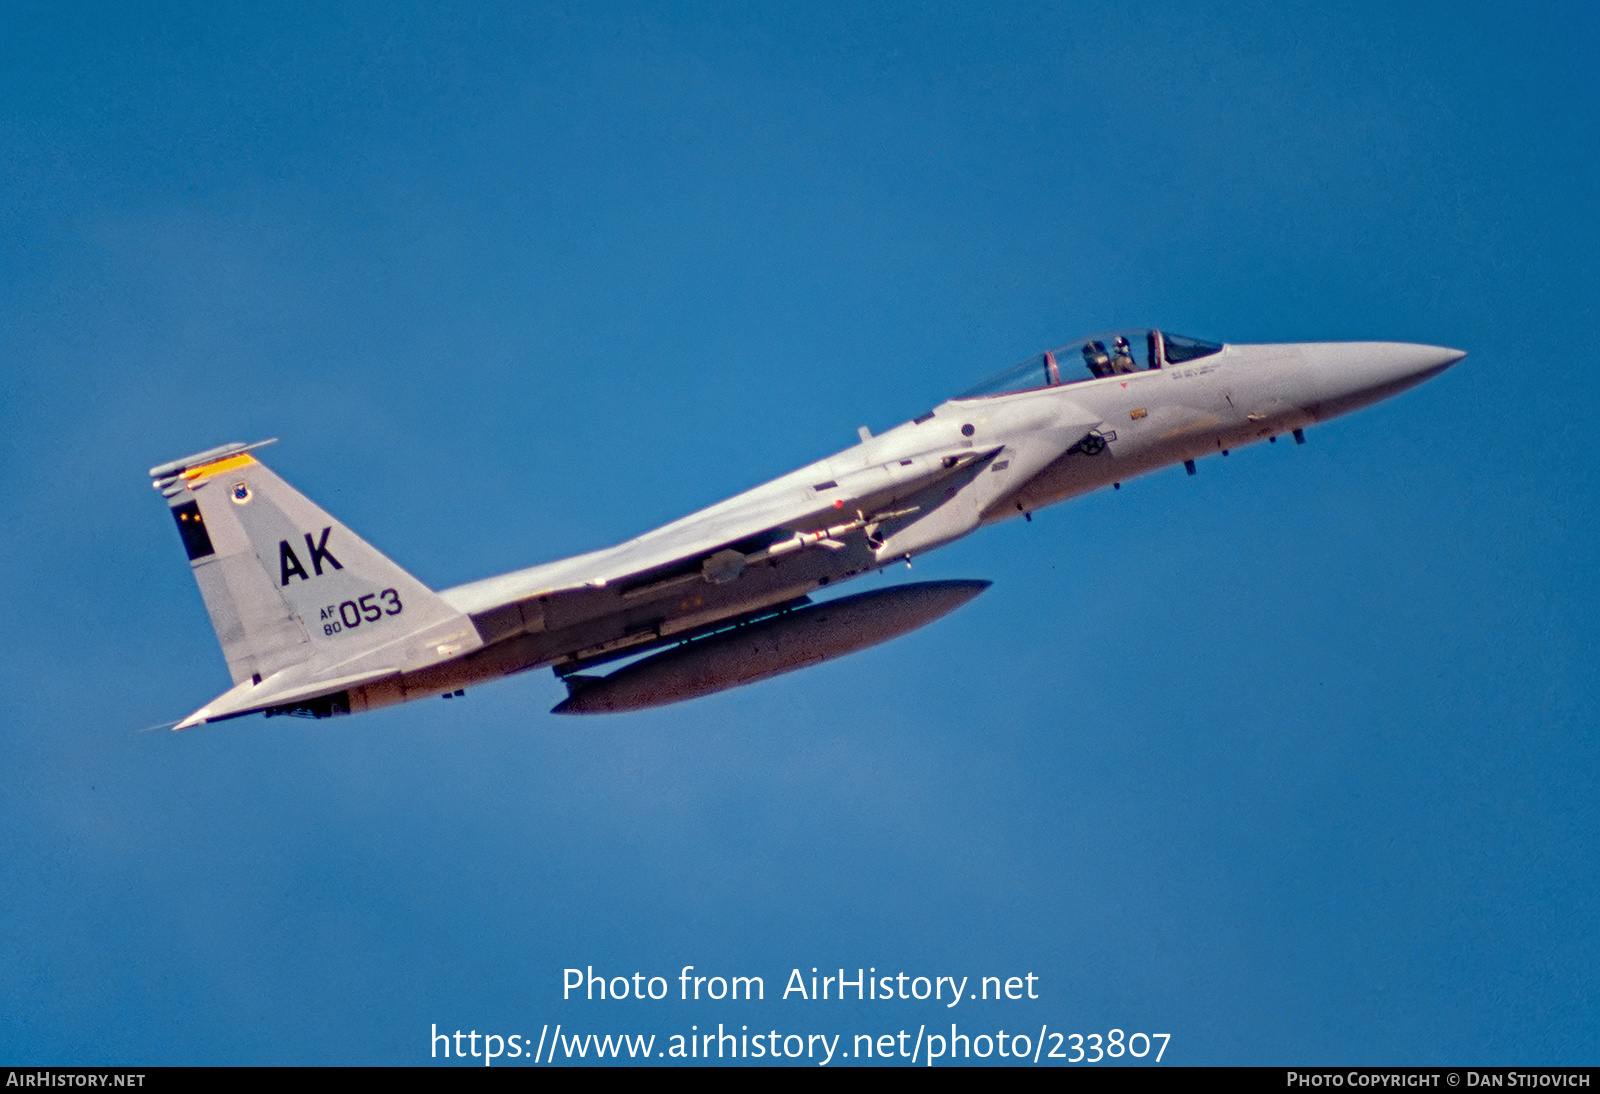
<point x="287" y="585"/>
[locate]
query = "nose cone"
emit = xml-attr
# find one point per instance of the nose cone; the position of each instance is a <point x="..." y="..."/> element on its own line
<point x="1348" y="375"/>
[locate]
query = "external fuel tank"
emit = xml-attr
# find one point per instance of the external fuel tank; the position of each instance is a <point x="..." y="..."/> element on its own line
<point x="769" y="647"/>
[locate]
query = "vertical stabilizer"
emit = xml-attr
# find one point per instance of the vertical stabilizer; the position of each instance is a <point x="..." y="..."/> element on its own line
<point x="287" y="585"/>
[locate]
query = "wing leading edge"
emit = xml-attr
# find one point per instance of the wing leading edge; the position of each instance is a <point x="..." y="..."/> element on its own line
<point x="904" y="491"/>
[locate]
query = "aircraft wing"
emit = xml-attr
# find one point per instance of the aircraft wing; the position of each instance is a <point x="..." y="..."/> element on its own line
<point x="246" y="531"/>
<point x="809" y="500"/>
<point x="894" y="479"/>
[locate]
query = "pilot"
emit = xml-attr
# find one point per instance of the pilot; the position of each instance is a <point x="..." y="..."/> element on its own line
<point x="1096" y="357"/>
<point x="1123" y="361"/>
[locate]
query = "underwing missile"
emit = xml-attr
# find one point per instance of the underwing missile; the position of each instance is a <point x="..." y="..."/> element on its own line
<point x="769" y="647"/>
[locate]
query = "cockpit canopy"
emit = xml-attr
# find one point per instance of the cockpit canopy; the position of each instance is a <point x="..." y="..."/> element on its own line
<point x="1098" y="355"/>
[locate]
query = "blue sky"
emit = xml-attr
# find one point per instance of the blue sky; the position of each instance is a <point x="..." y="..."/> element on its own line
<point x="1294" y="760"/>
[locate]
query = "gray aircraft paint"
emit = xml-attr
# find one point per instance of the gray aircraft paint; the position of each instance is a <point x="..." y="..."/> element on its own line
<point x="759" y="650"/>
<point x="314" y="620"/>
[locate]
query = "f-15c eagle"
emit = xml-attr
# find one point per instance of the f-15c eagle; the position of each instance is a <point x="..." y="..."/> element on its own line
<point x="314" y="621"/>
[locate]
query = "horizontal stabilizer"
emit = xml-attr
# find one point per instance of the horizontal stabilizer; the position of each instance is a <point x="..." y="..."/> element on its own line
<point x="172" y="470"/>
<point x="285" y="689"/>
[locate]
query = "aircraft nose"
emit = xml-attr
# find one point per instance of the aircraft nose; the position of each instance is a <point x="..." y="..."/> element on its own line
<point x="1435" y="359"/>
<point x="1349" y="375"/>
<point x="1379" y="364"/>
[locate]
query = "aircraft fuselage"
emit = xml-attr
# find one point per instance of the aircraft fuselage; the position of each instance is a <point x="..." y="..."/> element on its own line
<point x="1150" y="419"/>
<point x="315" y="621"/>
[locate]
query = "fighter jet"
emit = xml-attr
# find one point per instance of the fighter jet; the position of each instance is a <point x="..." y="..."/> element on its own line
<point x="313" y="621"/>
